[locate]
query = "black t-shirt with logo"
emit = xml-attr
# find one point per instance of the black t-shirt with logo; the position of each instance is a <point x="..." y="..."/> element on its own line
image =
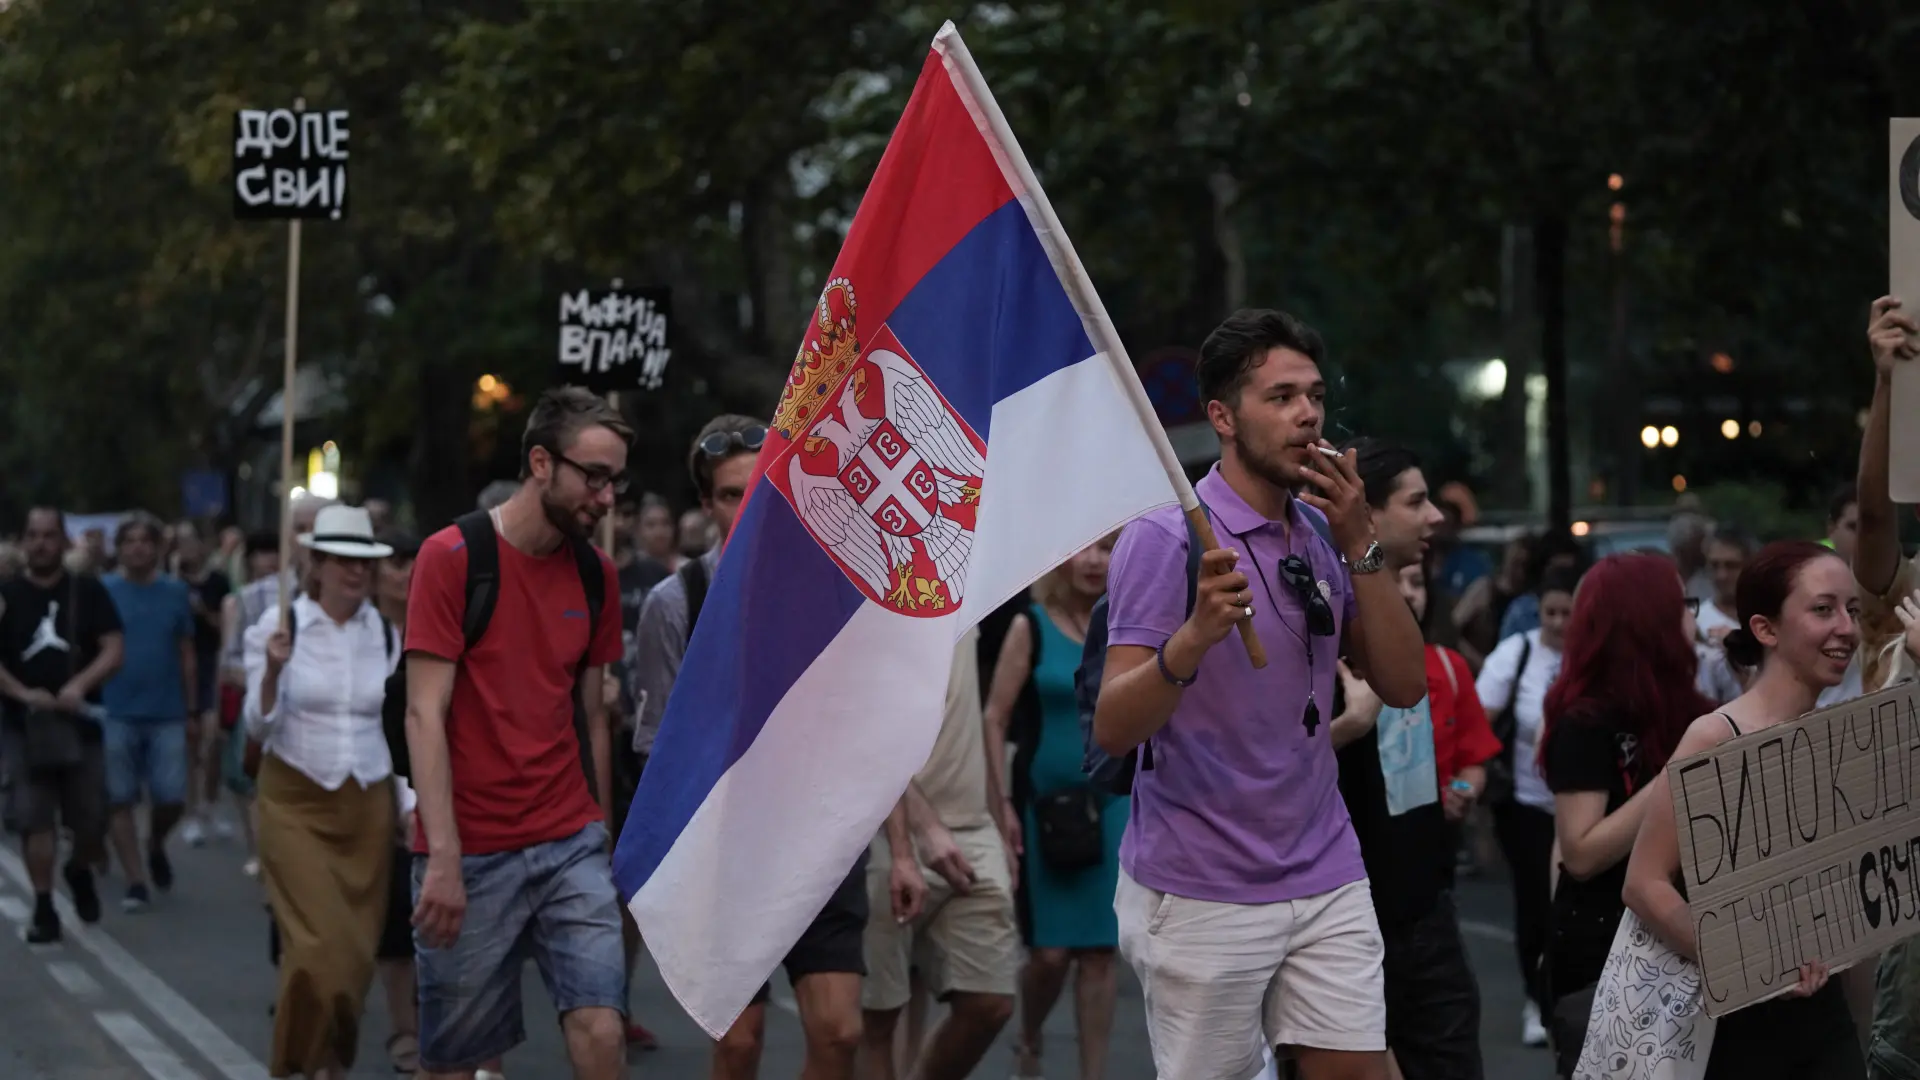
<point x="50" y="633"/>
<point x="1590" y="750"/>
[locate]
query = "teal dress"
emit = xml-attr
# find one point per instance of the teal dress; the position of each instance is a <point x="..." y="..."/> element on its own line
<point x="1071" y="910"/>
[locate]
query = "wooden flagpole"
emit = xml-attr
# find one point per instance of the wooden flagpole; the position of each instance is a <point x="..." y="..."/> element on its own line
<point x="1073" y="273"/>
<point x="286" y="419"/>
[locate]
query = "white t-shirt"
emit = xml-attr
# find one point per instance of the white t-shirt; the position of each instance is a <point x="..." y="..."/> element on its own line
<point x="1501" y="682"/>
<point x="1711" y="618"/>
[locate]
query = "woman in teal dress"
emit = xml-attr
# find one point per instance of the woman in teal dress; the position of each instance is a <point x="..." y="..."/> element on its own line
<point x="1066" y="917"/>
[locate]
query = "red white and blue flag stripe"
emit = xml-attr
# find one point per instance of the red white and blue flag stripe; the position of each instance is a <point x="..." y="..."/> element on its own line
<point x="961" y="419"/>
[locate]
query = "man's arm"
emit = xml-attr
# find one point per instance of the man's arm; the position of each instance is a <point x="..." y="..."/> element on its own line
<point x="429" y="689"/>
<point x="1877" y="557"/>
<point x="599" y="737"/>
<point x="1386" y="642"/>
<point x="659" y="646"/>
<point x="1136" y="700"/>
<point x="113" y="652"/>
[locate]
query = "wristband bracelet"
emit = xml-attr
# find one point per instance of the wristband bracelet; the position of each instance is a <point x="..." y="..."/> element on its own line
<point x="1160" y="658"/>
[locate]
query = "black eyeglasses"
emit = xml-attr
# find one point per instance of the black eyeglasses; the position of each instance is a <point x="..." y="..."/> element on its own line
<point x="1692" y="604"/>
<point x="1298" y="577"/>
<point x="719" y="443"/>
<point x="598" y="479"/>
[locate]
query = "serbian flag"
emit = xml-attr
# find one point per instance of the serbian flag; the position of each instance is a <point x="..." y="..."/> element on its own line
<point x="960" y="420"/>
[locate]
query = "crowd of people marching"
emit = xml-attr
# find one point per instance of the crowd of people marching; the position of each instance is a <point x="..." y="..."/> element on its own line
<point x="428" y="760"/>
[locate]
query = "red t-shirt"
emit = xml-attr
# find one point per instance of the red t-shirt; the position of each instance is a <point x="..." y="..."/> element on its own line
<point x="1461" y="734"/>
<point x="517" y="779"/>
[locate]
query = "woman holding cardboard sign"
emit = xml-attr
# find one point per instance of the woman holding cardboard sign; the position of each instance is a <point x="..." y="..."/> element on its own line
<point x="1796" y="602"/>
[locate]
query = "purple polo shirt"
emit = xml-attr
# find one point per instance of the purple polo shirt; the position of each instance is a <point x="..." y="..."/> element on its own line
<point x="1242" y="806"/>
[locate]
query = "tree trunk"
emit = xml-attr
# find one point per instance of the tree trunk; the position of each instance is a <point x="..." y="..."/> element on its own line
<point x="1226" y="235"/>
<point x="442" y="490"/>
<point x="1551" y="274"/>
<point x="1520" y="341"/>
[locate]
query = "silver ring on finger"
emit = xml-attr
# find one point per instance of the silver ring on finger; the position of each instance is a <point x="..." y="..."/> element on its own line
<point x="1249" y="611"/>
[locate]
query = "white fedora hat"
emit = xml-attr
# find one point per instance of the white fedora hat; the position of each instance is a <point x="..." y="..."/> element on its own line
<point x="346" y="531"/>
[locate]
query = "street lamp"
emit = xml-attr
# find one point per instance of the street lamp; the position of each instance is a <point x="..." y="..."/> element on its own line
<point x="1730" y="428"/>
<point x="1649" y="436"/>
<point x="1669" y="436"/>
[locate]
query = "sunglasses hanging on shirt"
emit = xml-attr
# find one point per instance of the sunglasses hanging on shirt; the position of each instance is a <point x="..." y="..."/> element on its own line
<point x="1297" y="574"/>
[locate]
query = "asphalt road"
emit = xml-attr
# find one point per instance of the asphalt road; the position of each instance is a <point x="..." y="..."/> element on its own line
<point x="181" y="993"/>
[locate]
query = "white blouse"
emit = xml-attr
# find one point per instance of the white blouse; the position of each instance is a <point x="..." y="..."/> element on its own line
<point x="326" y="717"/>
<point x="1502" y="683"/>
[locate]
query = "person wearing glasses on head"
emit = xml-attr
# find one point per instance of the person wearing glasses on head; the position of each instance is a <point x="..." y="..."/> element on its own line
<point x="1243" y="901"/>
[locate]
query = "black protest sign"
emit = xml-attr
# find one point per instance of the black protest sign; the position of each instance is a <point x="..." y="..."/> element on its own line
<point x="1801" y="842"/>
<point x="290" y="163"/>
<point x="615" y="339"/>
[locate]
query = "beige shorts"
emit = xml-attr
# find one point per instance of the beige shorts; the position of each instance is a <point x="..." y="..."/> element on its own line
<point x="1223" y="982"/>
<point x="963" y="944"/>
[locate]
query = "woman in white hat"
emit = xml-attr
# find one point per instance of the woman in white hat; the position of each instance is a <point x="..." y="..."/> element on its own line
<point x="326" y="794"/>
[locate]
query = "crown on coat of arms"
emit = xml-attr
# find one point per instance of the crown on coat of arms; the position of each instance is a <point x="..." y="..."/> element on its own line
<point x="823" y="362"/>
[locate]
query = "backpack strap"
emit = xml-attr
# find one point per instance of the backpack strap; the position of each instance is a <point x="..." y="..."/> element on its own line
<point x="593" y="580"/>
<point x="1193" y="555"/>
<point x="483" y="573"/>
<point x="694" y="582"/>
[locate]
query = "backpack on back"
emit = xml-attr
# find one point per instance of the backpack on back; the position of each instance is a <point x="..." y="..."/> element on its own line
<point x="1104" y="771"/>
<point x="482" y="592"/>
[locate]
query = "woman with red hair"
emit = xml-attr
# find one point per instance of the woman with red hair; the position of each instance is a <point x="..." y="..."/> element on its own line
<point x="1623" y="700"/>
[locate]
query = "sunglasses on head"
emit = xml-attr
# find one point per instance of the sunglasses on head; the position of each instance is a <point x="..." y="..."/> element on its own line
<point x="1298" y="576"/>
<point x="721" y="443"/>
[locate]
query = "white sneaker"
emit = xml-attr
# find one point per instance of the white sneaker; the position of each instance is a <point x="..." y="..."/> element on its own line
<point x="194" y="833"/>
<point x="1532" y="1031"/>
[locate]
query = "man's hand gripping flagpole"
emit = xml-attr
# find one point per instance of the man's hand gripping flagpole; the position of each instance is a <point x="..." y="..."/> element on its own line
<point x="1067" y="263"/>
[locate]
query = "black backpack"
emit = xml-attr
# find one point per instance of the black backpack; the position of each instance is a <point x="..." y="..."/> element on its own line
<point x="1104" y="771"/>
<point x="482" y="592"/>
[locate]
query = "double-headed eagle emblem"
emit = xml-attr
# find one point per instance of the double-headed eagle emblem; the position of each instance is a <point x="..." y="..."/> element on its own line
<point x="884" y="474"/>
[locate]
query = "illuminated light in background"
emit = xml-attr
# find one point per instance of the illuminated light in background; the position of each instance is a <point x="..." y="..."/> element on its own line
<point x="1615" y="182"/>
<point x="1730" y="428"/>
<point x="1669" y="435"/>
<point x="487" y="383"/>
<point x="1489" y="381"/>
<point x="1649" y="436"/>
<point x="1679" y="482"/>
<point x="325" y="484"/>
<point x="1722" y="363"/>
<point x="1753" y="429"/>
<point x="1581" y="528"/>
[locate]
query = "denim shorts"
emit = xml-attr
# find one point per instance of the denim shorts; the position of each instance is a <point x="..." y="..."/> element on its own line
<point x="554" y="903"/>
<point x="149" y="754"/>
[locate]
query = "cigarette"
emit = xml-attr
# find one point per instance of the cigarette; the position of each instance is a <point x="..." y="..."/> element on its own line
<point x="1326" y="451"/>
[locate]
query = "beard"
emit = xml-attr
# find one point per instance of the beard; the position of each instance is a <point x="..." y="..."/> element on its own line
<point x="1268" y="462"/>
<point x="566" y="518"/>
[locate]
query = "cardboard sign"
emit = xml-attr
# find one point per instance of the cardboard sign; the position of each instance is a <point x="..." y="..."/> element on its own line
<point x="1903" y="256"/>
<point x="289" y="163"/>
<point x="1802" y="842"/>
<point x="616" y="339"/>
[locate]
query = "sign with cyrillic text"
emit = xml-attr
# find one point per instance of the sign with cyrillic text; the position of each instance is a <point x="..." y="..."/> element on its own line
<point x="615" y="339"/>
<point x="1903" y="272"/>
<point x="1801" y="842"/>
<point x="290" y="163"/>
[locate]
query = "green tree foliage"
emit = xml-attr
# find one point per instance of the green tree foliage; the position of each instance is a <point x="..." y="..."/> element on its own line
<point x="1358" y="161"/>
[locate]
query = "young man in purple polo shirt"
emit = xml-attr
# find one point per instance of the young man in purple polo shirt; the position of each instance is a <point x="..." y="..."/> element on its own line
<point x="1243" y="902"/>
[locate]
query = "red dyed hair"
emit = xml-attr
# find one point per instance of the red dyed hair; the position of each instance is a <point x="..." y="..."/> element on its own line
<point x="1625" y="654"/>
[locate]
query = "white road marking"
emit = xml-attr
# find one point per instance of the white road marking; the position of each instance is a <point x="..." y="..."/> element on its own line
<point x="191" y="1024"/>
<point x="14" y="909"/>
<point x="1493" y="931"/>
<point x="73" y="978"/>
<point x="145" y="1047"/>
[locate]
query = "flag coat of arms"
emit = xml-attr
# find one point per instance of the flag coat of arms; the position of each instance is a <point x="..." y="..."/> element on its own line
<point x="960" y="420"/>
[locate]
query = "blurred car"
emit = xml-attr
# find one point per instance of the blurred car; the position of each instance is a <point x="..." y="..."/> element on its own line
<point x="1599" y="536"/>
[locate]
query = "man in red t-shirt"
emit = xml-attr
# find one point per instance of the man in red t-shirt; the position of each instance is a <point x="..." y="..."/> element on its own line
<point x="512" y="845"/>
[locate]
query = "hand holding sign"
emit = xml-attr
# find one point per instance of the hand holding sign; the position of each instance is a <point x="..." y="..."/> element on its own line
<point x="1891" y="335"/>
